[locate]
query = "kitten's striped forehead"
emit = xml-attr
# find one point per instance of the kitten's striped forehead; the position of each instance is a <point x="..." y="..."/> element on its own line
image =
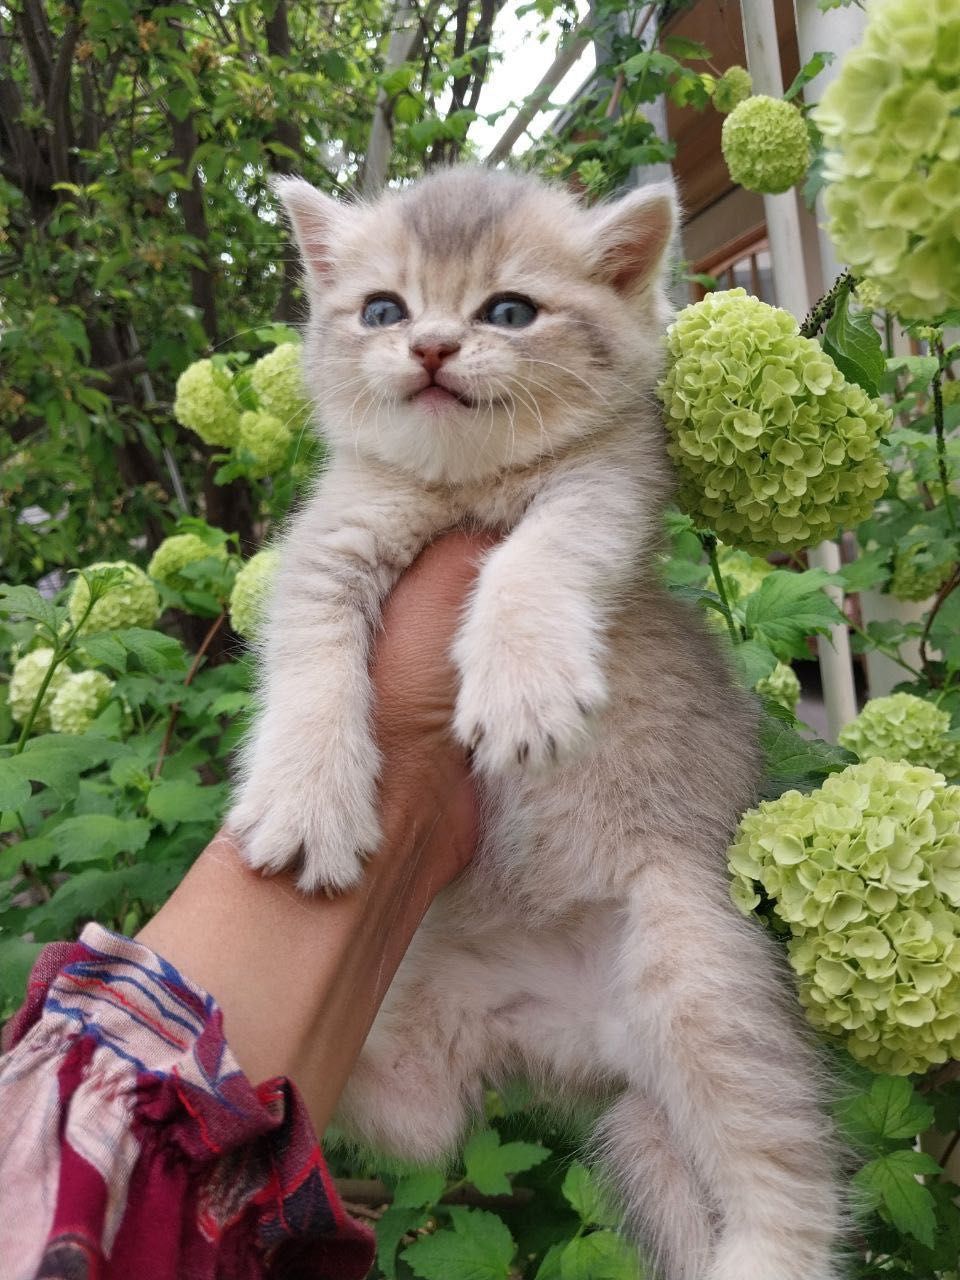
<point x="459" y="212"/>
<point x="459" y="229"/>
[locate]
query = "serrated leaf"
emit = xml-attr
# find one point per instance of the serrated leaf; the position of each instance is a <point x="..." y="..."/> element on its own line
<point x="753" y="660"/>
<point x="57" y="760"/>
<point x="602" y="1255"/>
<point x="854" y="345"/>
<point x="487" y="1161"/>
<point x="479" y="1247"/>
<point x="786" y="608"/>
<point x="549" y="1268"/>
<point x="27" y="602"/>
<point x="425" y="1187"/>
<point x="809" y="71"/>
<point x="392" y="1225"/>
<point x="868" y="570"/>
<point x="181" y="800"/>
<point x="156" y="652"/>
<point x="892" y="1180"/>
<point x="14" y="785"/>
<point x="90" y="836"/>
<point x="105" y="649"/>
<point x="583" y="1192"/>
<point x="96" y="894"/>
<point x="890" y="1111"/>
<point x="793" y="762"/>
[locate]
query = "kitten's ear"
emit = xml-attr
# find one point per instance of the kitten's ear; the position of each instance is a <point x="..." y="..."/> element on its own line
<point x="631" y="236"/>
<point x="314" y="218"/>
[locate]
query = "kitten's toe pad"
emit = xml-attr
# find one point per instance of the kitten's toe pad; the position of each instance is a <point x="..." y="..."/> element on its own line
<point x="531" y="721"/>
<point x="329" y="840"/>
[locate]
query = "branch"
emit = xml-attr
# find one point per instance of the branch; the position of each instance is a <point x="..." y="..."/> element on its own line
<point x="403" y="37"/>
<point x="568" y="56"/>
<point x="58" y="102"/>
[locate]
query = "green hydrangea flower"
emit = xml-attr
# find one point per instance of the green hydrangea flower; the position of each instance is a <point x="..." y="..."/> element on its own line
<point x="782" y="686"/>
<point x="765" y="144"/>
<point x="250" y="591"/>
<point x="903" y="727"/>
<point x="175" y="553"/>
<point x="205" y="404"/>
<point x="916" y="573"/>
<point x="133" y="603"/>
<point x="79" y="700"/>
<point x="865" y="872"/>
<point x="742" y="573"/>
<point x="25" y="681"/>
<point x="733" y="87"/>
<point x="891" y="124"/>
<point x="774" y="449"/>
<point x="267" y="439"/>
<point x="277" y="378"/>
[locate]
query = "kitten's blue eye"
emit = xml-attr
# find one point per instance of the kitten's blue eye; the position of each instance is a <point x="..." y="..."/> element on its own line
<point x="383" y="310"/>
<point x="509" y="311"/>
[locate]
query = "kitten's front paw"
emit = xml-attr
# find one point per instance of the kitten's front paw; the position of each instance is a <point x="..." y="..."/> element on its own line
<point x="533" y="711"/>
<point x="329" y="825"/>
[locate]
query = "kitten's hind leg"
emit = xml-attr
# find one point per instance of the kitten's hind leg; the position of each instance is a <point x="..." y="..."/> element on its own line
<point x="418" y="1083"/>
<point x="725" y="1056"/>
<point x="657" y="1186"/>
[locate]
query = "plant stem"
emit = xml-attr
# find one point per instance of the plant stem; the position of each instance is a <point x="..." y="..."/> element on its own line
<point x="822" y="310"/>
<point x="709" y="543"/>
<point x="943" y="595"/>
<point x="60" y="652"/>
<point x="938" y="423"/>
<point x="888" y="651"/>
<point x="175" y="709"/>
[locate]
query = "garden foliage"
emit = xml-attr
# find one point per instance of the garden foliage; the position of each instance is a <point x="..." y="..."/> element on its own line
<point x="155" y="433"/>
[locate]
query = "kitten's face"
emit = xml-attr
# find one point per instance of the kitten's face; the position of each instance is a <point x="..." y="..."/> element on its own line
<point x="478" y="321"/>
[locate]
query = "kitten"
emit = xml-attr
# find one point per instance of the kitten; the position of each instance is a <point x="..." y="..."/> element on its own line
<point x="481" y="347"/>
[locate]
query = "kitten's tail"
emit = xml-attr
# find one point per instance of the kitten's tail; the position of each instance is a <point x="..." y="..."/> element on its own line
<point x="665" y="1207"/>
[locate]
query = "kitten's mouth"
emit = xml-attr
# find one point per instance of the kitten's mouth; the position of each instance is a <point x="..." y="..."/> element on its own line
<point x="436" y="396"/>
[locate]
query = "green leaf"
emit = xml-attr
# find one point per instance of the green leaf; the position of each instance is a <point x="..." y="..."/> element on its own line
<point x="854" y="345"/>
<point x="549" y="1268"/>
<point x="98" y="835"/>
<point x="425" y="1187"/>
<point x="681" y="47"/>
<point x="156" y="652"/>
<point x="487" y="1162"/>
<point x="57" y="760"/>
<point x="583" y="1192"/>
<point x="392" y="1225"/>
<point x="602" y="1255"/>
<point x="96" y="894"/>
<point x="26" y="602"/>
<point x="793" y="762"/>
<point x="892" y="1180"/>
<point x="890" y="1111"/>
<point x="753" y="661"/>
<point x="809" y="71"/>
<point x="787" y="608"/>
<point x="182" y="800"/>
<point x="14" y="785"/>
<point x="868" y="570"/>
<point x="105" y="649"/>
<point x="480" y="1247"/>
<point x="16" y="961"/>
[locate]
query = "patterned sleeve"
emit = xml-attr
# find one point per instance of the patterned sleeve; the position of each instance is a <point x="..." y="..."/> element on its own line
<point x="132" y="1145"/>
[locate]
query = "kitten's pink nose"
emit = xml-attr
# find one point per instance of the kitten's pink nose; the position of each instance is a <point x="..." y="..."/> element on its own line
<point x="432" y="354"/>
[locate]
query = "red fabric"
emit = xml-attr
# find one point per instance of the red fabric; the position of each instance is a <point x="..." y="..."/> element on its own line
<point x="157" y="1160"/>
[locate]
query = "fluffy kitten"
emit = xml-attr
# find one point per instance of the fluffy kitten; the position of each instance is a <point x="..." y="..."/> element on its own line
<point x="482" y="347"/>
